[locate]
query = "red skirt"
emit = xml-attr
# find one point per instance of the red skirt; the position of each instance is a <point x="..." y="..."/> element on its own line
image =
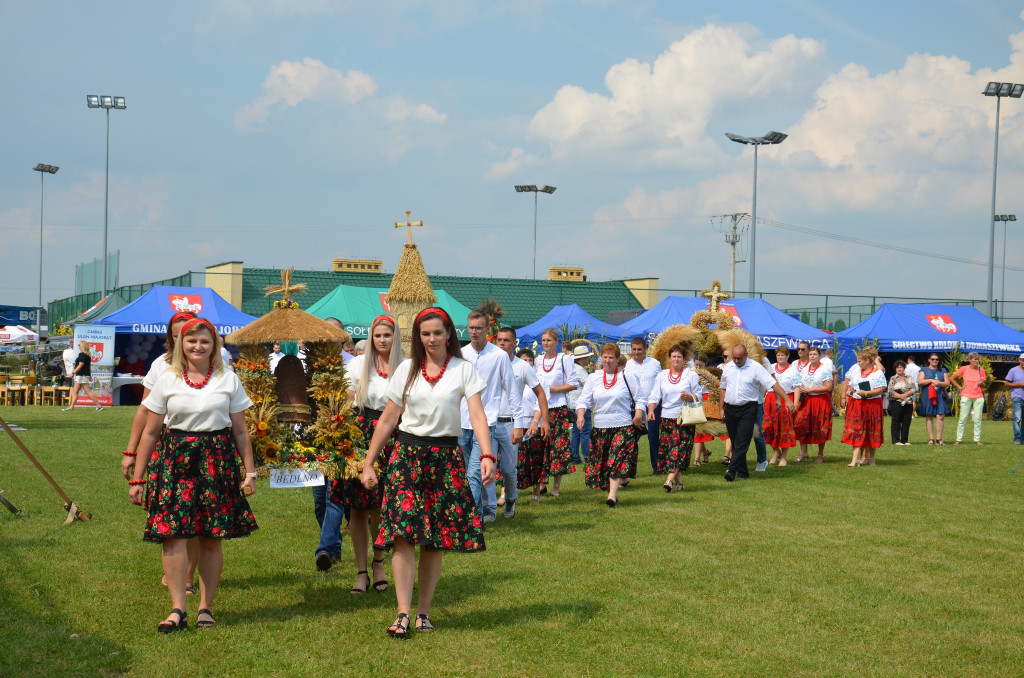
<point x="863" y="426"/>
<point x="813" y="420"/>
<point x="778" y="423"/>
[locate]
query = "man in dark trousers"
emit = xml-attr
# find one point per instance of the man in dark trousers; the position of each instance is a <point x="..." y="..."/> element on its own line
<point x="741" y="379"/>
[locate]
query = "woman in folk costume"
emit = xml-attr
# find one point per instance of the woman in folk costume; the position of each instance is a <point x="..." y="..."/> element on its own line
<point x="427" y="501"/>
<point x="778" y="422"/>
<point x="369" y="377"/>
<point x="618" y="409"/>
<point x="557" y="374"/>
<point x="672" y="387"/>
<point x="195" y="484"/>
<point x="813" y="396"/>
<point x="862" y="397"/>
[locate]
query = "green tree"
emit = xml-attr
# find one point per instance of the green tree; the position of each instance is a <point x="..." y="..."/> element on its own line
<point x="840" y="325"/>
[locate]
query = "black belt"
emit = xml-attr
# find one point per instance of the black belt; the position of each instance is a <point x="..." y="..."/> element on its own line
<point x="427" y="441"/>
<point x="179" y="432"/>
<point x="370" y="412"/>
<point x="505" y="420"/>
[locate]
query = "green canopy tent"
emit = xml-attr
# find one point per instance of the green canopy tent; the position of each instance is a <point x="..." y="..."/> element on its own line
<point x="356" y="307"/>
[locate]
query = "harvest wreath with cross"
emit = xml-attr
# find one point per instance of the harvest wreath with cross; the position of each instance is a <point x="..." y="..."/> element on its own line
<point x="300" y="419"/>
<point x="710" y="333"/>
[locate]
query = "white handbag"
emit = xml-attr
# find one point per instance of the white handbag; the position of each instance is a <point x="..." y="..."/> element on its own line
<point x="691" y="414"/>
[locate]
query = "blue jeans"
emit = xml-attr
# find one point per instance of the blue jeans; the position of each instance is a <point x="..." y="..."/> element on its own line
<point x="579" y="441"/>
<point x="508" y="459"/>
<point x="762" y="451"/>
<point x="654" y="437"/>
<point x="1018" y="414"/>
<point x="328" y="516"/>
<point x="470" y="447"/>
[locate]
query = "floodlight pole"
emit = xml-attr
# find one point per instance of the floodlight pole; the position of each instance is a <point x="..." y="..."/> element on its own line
<point x="42" y="169"/>
<point x="1004" y="218"/>
<point x="992" y="214"/>
<point x="531" y="188"/>
<point x="106" y="203"/>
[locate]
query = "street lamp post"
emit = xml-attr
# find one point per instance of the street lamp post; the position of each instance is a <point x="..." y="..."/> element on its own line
<point x="107" y="102"/>
<point x="530" y="188"/>
<point x="1004" y="218"/>
<point x="43" y="171"/>
<point x="997" y="90"/>
<point x="767" y="139"/>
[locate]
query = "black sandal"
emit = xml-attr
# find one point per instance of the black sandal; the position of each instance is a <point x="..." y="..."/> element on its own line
<point x="202" y="623"/>
<point x="358" y="590"/>
<point x="382" y="585"/>
<point x="168" y="626"/>
<point x="190" y="590"/>
<point x="400" y="629"/>
<point x="423" y="624"/>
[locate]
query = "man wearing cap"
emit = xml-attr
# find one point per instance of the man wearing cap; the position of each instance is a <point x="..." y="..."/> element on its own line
<point x="1015" y="380"/>
<point x="526" y="378"/>
<point x="646" y="370"/>
<point x="579" y="442"/>
<point x="741" y="385"/>
<point x="494" y="367"/>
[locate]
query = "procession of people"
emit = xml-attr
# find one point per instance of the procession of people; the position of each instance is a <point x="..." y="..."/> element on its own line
<point x="440" y="423"/>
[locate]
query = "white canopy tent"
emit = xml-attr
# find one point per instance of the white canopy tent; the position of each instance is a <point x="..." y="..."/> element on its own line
<point x="16" y="334"/>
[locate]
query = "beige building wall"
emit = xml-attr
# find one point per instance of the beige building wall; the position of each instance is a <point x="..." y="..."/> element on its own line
<point x="645" y="290"/>
<point x="226" y="280"/>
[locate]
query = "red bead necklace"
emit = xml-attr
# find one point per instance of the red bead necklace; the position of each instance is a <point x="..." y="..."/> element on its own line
<point x="604" y="378"/>
<point x="543" y="363"/>
<point x="811" y="370"/>
<point x="675" y="379"/>
<point x="778" y="371"/>
<point x="201" y="384"/>
<point x="376" y="366"/>
<point x="434" y="380"/>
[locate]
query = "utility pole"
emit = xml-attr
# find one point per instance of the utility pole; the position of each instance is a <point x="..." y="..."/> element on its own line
<point x="732" y="238"/>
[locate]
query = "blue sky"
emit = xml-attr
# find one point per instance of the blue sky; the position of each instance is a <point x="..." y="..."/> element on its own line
<point x="290" y="132"/>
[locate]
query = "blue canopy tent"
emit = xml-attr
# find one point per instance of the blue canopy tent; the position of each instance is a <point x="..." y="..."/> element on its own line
<point x="570" y="315"/>
<point x="150" y="313"/>
<point x="913" y="328"/>
<point x="771" y="326"/>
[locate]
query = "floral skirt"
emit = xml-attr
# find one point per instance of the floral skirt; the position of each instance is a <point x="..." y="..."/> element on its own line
<point x="612" y="452"/>
<point x="863" y="427"/>
<point x="813" y="421"/>
<point x="194" y="488"/>
<point x="558" y="455"/>
<point x="778" y="423"/>
<point x="427" y="501"/>
<point x="676" y="446"/>
<point x="351" y="492"/>
<point x="530" y="467"/>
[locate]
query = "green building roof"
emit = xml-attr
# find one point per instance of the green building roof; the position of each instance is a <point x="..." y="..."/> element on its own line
<point x="524" y="301"/>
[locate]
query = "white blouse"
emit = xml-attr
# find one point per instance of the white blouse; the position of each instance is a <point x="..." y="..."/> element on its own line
<point x="198" y="409"/>
<point x="159" y="366"/>
<point x="670" y="395"/>
<point x="433" y="411"/>
<point x="817" y="378"/>
<point x="611" y="405"/>
<point x="789" y="378"/>
<point x="877" y="380"/>
<point x="376" y="390"/>
<point x="561" y="371"/>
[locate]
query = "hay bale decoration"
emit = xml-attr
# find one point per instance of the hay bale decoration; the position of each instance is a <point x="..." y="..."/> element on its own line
<point x="325" y="438"/>
<point x="410" y="290"/>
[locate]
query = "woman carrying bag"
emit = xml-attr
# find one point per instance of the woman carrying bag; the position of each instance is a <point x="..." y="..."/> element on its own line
<point x="677" y="390"/>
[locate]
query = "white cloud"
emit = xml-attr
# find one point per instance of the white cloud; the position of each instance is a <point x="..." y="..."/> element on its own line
<point x="293" y="82"/>
<point x="659" y="112"/>
<point x="518" y="159"/>
<point x="400" y="110"/>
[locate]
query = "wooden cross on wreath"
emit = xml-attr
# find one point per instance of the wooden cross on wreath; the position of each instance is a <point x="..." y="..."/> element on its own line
<point x="715" y="295"/>
<point x="286" y="289"/>
<point x="409" y="224"/>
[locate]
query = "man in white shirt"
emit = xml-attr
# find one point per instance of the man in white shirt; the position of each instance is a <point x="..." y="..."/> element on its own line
<point x="579" y="443"/>
<point x="346" y="357"/>
<point x="741" y="385"/>
<point x="526" y="377"/>
<point x="494" y="367"/>
<point x="68" y="357"/>
<point x="910" y="372"/>
<point x="275" y="357"/>
<point x="646" y="370"/>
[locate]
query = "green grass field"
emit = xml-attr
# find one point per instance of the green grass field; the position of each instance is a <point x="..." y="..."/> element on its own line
<point x="909" y="568"/>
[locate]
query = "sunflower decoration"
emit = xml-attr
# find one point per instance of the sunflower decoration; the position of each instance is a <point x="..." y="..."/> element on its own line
<point x="333" y="427"/>
<point x="253" y="370"/>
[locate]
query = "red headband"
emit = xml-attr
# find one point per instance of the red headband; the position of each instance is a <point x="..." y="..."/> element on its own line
<point x="181" y="315"/>
<point x="199" y="321"/>
<point x="434" y="309"/>
<point x="385" y="318"/>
